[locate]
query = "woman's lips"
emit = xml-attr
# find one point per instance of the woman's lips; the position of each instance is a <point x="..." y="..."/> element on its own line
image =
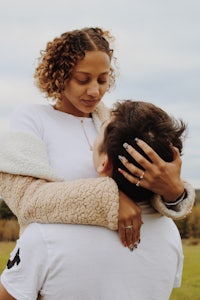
<point x="89" y="103"/>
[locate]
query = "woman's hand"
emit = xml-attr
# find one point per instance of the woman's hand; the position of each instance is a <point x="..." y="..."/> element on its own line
<point x="129" y="221"/>
<point x="160" y="177"/>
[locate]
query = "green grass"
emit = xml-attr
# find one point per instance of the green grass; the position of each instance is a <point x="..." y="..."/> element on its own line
<point x="190" y="289"/>
<point x="5" y="249"/>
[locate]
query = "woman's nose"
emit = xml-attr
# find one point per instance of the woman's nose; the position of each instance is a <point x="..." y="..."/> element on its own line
<point x="93" y="89"/>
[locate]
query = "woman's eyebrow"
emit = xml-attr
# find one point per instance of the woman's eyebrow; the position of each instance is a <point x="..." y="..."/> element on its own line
<point x="87" y="73"/>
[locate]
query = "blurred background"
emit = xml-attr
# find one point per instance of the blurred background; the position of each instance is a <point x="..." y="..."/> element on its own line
<point x="157" y="45"/>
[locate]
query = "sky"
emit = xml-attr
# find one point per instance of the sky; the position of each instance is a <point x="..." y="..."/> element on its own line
<point x="157" y="44"/>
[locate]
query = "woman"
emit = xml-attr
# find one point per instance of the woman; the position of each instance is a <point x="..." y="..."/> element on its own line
<point x="46" y="179"/>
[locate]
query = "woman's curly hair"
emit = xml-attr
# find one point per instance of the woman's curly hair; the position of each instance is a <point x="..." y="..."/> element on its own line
<point x="58" y="60"/>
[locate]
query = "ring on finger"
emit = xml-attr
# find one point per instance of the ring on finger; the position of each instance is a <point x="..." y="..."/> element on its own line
<point x="142" y="176"/>
<point x="128" y="227"/>
<point x="138" y="183"/>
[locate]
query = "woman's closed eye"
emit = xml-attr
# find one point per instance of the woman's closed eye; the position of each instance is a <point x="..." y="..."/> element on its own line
<point x="85" y="79"/>
<point x="82" y="80"/>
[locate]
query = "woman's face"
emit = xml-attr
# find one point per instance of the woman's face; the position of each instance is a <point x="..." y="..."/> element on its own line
<point x="87" y="86"/>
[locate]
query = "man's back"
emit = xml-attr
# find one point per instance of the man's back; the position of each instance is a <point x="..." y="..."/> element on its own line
<point x="88" y="262"/>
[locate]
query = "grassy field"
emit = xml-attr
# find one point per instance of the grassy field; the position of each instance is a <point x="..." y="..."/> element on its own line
<point x="190" y="289"/>
<point x="5" y="249"/>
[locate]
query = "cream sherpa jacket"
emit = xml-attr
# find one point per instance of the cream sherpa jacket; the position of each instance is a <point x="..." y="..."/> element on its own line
<point x="35" y="194"/>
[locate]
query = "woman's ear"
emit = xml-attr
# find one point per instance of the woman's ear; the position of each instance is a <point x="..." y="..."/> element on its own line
<point x="105" y="166"/>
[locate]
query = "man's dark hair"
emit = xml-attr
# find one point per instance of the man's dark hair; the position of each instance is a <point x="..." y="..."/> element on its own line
<point x="145" y="121"/>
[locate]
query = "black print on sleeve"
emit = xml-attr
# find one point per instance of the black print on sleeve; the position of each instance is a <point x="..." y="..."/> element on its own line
<point x="16" y="260"/>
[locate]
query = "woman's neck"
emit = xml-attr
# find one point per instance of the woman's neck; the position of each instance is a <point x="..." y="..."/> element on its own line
<point x="70" y="110"/>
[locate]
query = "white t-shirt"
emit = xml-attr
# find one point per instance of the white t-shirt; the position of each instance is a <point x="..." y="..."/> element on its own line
<point x="67" y="146"/>
<point x="80" y="262"/>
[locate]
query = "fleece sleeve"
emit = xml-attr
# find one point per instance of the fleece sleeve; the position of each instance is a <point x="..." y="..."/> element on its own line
<point x="179" y="211"/>
<point x="86" y="201"/>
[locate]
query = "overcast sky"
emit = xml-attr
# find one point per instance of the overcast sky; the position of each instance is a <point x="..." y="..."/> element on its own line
<point x="157" y="46"/>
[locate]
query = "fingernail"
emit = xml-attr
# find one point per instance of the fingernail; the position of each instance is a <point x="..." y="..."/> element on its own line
<point x="136" y="139"/>
<point x="125" y="145"/>
<point x="120" y="158"/>
<point x="131" y="247"/>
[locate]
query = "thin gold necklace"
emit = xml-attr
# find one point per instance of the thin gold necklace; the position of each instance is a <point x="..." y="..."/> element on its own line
<point x="85" y="134"/>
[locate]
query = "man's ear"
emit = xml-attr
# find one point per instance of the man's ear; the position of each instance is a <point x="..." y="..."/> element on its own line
<point x="105" y="166"/>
